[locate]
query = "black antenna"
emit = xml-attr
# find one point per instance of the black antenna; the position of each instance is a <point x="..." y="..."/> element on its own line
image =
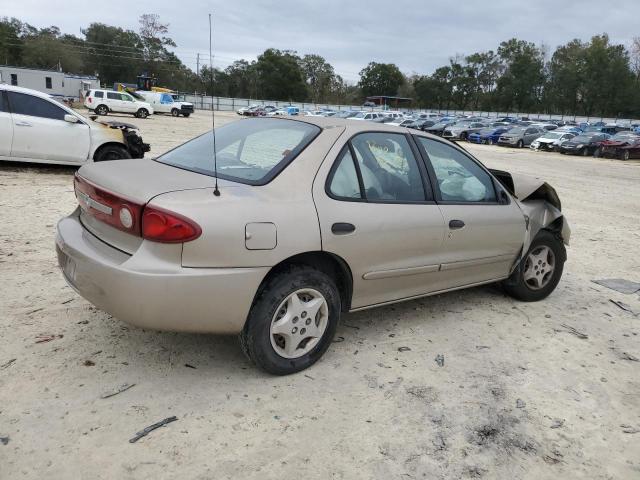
<point x="216" y="192"/>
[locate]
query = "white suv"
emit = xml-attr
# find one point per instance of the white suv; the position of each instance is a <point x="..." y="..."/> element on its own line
<point x="36" y="128"/>
<point x="105" y="101"/>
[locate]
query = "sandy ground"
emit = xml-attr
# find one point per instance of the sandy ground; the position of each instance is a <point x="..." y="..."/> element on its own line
<point x="519" y="396"/>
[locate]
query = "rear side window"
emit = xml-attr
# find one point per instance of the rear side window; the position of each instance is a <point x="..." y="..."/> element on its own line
<point x="248" y="151"/>
<point x="24" y="104"/>
<point x="388" y="168"/>
<point x="98" y="94"/>
<point x="113" y="95"/>
<point x="344" y="183"/>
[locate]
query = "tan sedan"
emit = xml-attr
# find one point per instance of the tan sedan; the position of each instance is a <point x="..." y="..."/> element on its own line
<point x="314" y="217"/>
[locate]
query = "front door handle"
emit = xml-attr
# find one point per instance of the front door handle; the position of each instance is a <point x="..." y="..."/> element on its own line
<point x="456" y="224"/>
<point x="23" y="124"/>
<point x="342" y="228"/>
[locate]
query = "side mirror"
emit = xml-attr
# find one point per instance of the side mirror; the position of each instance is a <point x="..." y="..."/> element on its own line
<point x="70" y="118"/>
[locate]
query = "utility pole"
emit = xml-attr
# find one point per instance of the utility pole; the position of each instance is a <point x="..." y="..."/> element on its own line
<point x="197" y="65"/>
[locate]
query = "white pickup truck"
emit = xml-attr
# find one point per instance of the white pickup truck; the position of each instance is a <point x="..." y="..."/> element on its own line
<point x="166" y="103"/>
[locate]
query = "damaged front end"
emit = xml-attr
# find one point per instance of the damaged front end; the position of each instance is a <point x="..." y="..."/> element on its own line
<point x="540" y="205"/>
<point x="130" y="136"/>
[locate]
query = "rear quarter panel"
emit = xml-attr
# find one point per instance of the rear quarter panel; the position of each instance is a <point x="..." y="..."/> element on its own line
<point x="286" y="202"/>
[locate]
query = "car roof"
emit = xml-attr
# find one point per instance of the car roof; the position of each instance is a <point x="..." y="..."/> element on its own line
<point x="352" y="128"/>
<point x="28" y="91"/>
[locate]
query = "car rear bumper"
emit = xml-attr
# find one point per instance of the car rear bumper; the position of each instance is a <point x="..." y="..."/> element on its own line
<point x="150" y="289"/>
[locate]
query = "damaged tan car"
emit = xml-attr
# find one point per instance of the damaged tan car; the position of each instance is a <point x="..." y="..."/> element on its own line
<point x="311" y="218"/>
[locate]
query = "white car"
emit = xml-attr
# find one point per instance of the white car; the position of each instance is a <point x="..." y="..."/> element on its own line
<point x="166" y="103"/>
<point x="549" y="141"/>
<point x="243" y="110"/>
<point x="108" y="101"/>
<point x="36" y="128"/>
<point x="365" y="116"/>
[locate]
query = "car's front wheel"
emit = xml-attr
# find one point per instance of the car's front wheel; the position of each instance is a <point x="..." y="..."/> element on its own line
<point x="540" y="270"/>
<point x="142" y="113"/>
<point x="112" y="152"/>
<point x="292" y="321"/>
<point x="520" y="144"/>
<point x="101" y="110"/>
<point x="175" y="112"/>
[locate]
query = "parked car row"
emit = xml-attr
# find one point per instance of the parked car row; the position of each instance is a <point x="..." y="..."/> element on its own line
<point x="141" y="104"/>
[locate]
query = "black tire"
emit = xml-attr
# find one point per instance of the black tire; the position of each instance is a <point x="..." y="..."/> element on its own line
<point x="101" y="110"/>
<point x="142" y="113"/>
<point x="111" y="152"/>
<point x="175" y="112"/>
<point x="625" y="155"/>
<point x="255" y="338"/>
<point x="585" y="152"/>
<point x="486" y="141"/>
<point x="597" y="153"/>
<point x="463" y="136"/>
<point x="518" y="288"/>
<point x="186" y="115"/>
<point x="520" y="144"/>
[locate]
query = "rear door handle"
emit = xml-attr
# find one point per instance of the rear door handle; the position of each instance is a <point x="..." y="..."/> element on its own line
<point x="23" y="124"/>
<point x="456" y="224"/>
<point x="342" y="228"/>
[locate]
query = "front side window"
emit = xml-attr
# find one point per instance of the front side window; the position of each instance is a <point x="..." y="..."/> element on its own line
<point x="459" y="178"/>
<point x="249" y="151"/>
<point x="24" y="104"/>
<point x="126" y="98"/>
<point x="388" y="168"/>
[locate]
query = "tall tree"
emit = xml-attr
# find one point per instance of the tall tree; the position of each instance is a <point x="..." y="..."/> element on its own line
<point x="380" y="79"/>
<point x="280" y="76"/>
<point x="520" y="86"/>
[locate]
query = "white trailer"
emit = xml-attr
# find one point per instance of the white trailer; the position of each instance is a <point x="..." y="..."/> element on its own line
<point x="55" y="83"/>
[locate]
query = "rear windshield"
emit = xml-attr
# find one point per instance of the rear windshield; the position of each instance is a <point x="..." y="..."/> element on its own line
<point x="249" y="151"/>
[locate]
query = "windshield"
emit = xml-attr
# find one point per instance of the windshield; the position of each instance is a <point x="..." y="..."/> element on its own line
<point x="248" y="151"/>
<point x="552" y="136"/>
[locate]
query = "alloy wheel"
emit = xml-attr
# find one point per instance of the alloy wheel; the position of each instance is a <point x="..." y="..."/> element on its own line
<point x="299" y="323"/>
<point x="539" y="267"/>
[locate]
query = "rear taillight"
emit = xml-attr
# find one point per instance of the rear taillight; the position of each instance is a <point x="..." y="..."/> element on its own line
<point x="149" y="222"/>
<point x="89" y="98"/>
<point x="115" y="210"/>
<point x="160" y="225"/>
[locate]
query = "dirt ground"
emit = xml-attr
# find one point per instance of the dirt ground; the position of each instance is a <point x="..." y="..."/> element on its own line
<point x="518" y="396"/>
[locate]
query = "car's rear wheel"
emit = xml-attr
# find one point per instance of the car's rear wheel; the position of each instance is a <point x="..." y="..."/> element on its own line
<point x="597" y="152"/>
<point x="520" y="144"/>
<point x="112" y="152"/>
<point x="486" y="141"/>
<point x="142" y="113"/>
<point x="625" y="155"/>
<point x="101" y="110"/>
<point x="585" y="152"/>
<point x="539" y="271"/>
<point x="175" y="112"/>
<point x="292" y="321"/>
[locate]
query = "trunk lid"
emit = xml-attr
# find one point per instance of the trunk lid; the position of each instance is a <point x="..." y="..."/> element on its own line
<point x="135" y="182"/>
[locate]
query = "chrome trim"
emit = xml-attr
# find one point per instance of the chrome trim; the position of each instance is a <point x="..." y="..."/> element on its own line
<point x="91" y="203"/>
<point x="400" y="272"/>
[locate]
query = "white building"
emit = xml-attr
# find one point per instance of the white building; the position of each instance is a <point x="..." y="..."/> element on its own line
<point x="55" y="83"/>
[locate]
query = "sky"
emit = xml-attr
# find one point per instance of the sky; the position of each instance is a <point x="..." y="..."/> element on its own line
<point x="416" y="35"/>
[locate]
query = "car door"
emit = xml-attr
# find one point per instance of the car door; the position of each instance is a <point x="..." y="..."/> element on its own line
<point x="485" y="228"/>
<point x="377" y="213"/>
<point x="40" y="131"/>
<point x="115" y="102"/>
<point x="531" y="134"/>
<point x="6" y="126"/>
<point x="129" y="104"/>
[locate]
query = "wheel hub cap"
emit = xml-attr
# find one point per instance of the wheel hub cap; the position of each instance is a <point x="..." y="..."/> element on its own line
<point x="299" y="323"/>
<point x="539" y="267"/>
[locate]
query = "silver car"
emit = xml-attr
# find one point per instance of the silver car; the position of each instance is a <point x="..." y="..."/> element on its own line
<point x="520" y="136"/>
<point x="310" y="218"/>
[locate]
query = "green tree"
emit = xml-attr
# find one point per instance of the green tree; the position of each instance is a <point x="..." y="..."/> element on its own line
<point x="380" y="79"/>
<point x="280" y="76"/>
<point x="521" y="84"/>
<point x="319" y="76"/>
